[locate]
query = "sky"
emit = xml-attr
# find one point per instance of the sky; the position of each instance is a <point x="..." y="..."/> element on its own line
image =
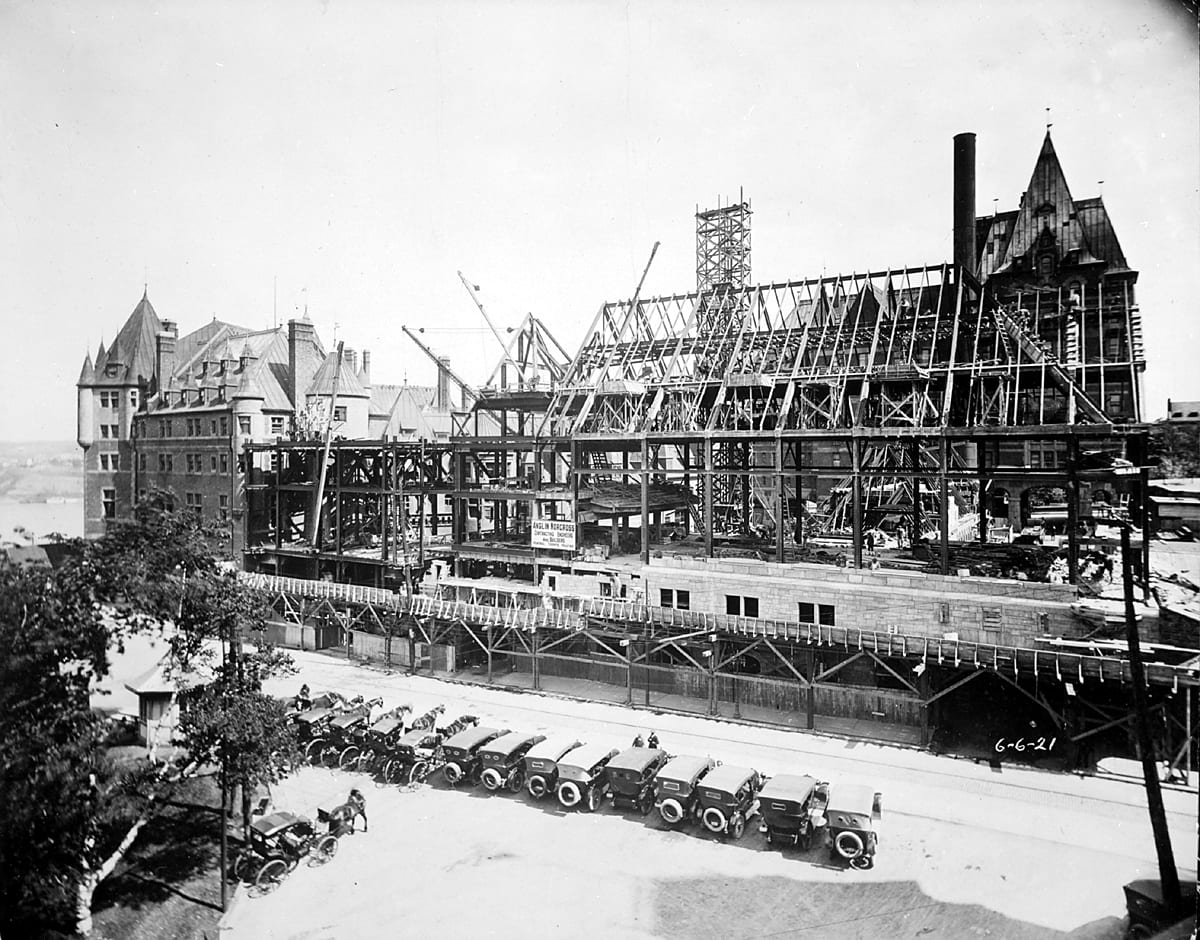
<point x="251" y="160"/>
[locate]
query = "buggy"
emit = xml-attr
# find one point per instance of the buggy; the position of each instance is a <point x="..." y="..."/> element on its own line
<point x="675" y="787"/>
<point x="345" y="731"/>
<point x="581" y="779"/>
<point x="415" y="755"/>
<point x="503" y="766"/>
<point x="374" y="745"/>
<point x="850" y="815"/>
<point x="789" y="804"/>
<point x="461" y="753"/>
<point x="541" y="765"/>
<point x="726" y="799"/>
<point x="277" y="843"/>
<point x="631" y="777"/>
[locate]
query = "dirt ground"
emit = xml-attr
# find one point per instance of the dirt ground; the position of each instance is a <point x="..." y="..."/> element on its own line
<point x="964" y="851"/>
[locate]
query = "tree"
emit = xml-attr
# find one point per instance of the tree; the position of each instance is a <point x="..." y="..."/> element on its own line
<point x="1176" y="450"/>
<point x="158" y="572"/>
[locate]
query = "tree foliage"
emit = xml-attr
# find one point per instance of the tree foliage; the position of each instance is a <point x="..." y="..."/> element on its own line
<point x="159" y="572"/>
<point x="1176" y="449"/>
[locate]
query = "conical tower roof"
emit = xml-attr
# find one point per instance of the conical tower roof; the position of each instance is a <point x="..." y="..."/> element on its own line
<point x="348" y="385"/>
<point x="87" y="375"/>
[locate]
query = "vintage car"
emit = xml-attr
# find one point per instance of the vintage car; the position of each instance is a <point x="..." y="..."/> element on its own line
<point x="631" y="777"/>
<point x="849" y="819"/>
<point x="1150" y="915"/>
<point x="461" y="753"/>
<point x="581" y="778"/>
<point x="502" y="757"/>
<point x="541" y="765"/>
<point x="414" y="757"/>
<point x="788" y="805"/>
<point x="726" y="799"/>
<point x="277" y="843"/>
<point x="675" y="787"/>
<point x="376" y="745"/>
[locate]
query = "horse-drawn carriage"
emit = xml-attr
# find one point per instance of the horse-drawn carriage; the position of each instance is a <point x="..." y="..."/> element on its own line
<point x="276" y="845"/>
<point x="368" y="746"/>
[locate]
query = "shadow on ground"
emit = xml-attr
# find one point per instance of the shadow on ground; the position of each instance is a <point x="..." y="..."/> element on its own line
<point x="721" y="909"/>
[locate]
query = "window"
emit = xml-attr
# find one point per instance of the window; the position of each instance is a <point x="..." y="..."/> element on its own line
<point x="339" y="413"/>
<point x="165" y="463"/>
<point x="224" y="463"/>
<point x="108" y="499"/>
<point x="212" y="427"/>
<point x="552" y="582"/>
<point x="104" y="461"/>
<point x="680" y="600"/>
<point x="200" y="396"/>
<point x="225" y="427"/>
<point x="212" y="463"/>
<point x="276" y="424"/>
<point x="170" y="427"/>
<point x="992" y="618"/>
<point x="606" y="589"/>
<point x="223" y="507"/>
<point x="243" y="424"/>
<point x="817" y="613"/>
<point x="133" y="398"/>
<point x="114" y="431"/>
<point x="193" y="501"/>
<point x="104" y="431"/>
<point x="739" y="606"/>
<point x="141" y="461"/>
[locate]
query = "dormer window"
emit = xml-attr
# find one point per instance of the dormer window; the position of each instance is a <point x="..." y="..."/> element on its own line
<point x="200" y="396"/>
<point x="110" y="370"/>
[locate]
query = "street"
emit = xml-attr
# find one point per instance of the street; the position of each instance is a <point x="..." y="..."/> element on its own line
<point x="965" y="849"/>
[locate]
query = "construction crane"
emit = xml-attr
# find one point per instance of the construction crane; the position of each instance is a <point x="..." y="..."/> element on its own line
<point x="314" y="535"/>
<point x="466" y="387"/>
<point x="472" y="289"/>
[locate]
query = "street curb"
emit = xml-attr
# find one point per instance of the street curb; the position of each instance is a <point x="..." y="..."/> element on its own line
<point x="223" y="924"/>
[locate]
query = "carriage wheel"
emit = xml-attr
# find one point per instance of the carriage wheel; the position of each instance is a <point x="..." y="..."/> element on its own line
<point x="330" y="755"/>
<point x="243" y="865"/>
<point x="348" y="756"/>
<point x="325" y="849"/>
<point x="420" y="770"/>
<point x="271" y="875"/>
<point x="312" y="753"/>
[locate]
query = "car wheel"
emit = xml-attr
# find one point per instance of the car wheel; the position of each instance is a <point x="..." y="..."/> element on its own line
<point x="271" y="875"/>
<point x="537" y="786"/>
<point x="492" y="779"/>
<point x="569" y="794"/>
<point x="671" y="812"/>
<point x="515" y="784"/>
<point x="737" y="825"/>
<point x="593" y="799"/>
<point x="418" y="773"/>
<point x="453" y="774"/>
<point x="849" y="845"/>
<point x="714" y="820"/>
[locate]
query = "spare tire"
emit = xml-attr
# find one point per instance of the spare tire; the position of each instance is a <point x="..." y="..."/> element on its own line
<point x="671" y="811"/>
<point x="453" y="772"/>
<point x="849" y="845"/>
<point x="569" y="794"/>
<point x="714" y="820"/>
<point x="538" y="787"/>
<point x="492" y="779"/>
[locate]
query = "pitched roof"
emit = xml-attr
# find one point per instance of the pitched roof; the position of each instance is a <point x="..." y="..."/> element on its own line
<point x="348" y="385"/>
<point x="406" y="411"/>
<point x="87" y="374"/>
<point x="1101" y="237"/>
<point x="133" y="350"/>
<point x="1047" y="207"/>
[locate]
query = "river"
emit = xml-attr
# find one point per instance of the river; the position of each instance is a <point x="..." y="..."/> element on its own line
<point x="41" y="519"/>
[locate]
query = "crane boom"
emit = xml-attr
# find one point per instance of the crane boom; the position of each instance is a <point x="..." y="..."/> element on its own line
<point x="458" y="380"/>
<point x="495" y="332"/>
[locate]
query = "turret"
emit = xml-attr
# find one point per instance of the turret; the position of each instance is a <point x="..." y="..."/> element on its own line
<point x="85" y="433"/>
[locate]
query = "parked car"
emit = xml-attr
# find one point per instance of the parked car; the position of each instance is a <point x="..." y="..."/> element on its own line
<point x="851" y="813"/>
<point x="631" y="777"/>
<point x="581" y="779"/>
<point x="541" y="765"/>
<point x="727" y="798"/>
<point x="502" y="757"/>
<point x="1149" y="913"/>
<point x="788" y="805"/>
<point x="461" y="753"/>
<point x="675" y="787"/>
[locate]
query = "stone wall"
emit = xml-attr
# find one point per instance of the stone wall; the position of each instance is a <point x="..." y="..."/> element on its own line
<point x="986" y="610"/>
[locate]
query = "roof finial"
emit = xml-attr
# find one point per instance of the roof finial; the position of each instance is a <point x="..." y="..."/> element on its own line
<point x="1048" y="123"/>
<point x="1100" y="183"/>
<point x="995" y="205"/>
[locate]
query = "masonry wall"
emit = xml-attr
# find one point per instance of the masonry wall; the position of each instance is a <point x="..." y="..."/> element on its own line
<point x="977" y="609"/>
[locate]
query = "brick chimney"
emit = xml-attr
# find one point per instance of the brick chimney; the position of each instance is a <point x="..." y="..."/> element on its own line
<point x="352" y="358"/>
<point x="443" y="384"/>
<point x="365" y="376"/>
<point x="302" y="359"/>
<point x="164" y="353"/>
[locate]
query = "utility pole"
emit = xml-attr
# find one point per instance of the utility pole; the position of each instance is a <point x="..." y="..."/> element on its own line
<point x="1154" y="801"/>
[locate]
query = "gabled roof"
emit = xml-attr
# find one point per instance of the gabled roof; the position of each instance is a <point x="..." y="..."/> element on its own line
<point x="348" y="385"/>
<point x="133" y="350"/>
<point x="1048" y="207"/>
<point x="406" y="411"/>
<point x="1101" y="237"/>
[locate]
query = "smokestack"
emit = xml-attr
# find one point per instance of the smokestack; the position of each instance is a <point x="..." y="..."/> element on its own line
<point x="964" y="201"/>
<point x="366" y="368"/>
<point x="165" y="361"/>
<point x="352" y="358"/>
<point x="443" y="384"/>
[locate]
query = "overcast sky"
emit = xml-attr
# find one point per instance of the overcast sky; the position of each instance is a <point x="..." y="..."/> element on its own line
<point x="359" y="153"/>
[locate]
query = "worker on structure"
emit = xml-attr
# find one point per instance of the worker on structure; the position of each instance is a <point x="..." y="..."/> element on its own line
<point x="652" y="741"/>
